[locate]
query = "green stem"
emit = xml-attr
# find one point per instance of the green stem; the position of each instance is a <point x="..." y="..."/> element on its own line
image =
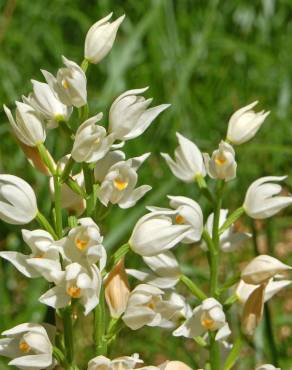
<point x="58" y="206"/>
<point x="231" y="219"/>
<point x="233" y="355"/>
<point x="100" y="326"/>
<point x="67" y="170"/>
<point x="204" y="188"/>
<point x="68" y="337"/>
<point x="118" y="255"/>
<point x="214" y="352"/>
<point x="196" y="291"/>
<point x="46" y="158"/>
<point x="41" y="219"/>
<point x="89" y="187"/>
<point x="84" y="65"/>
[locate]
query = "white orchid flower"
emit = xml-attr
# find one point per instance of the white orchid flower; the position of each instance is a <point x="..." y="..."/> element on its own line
<point x="157" y="232"/>
<point x="174" y="365"/>
<point x="91" y="142"/>
<point x="43" y="251"/>
<point x="188" y="162"/>
<point x="244" y="124"/>
<point x="18" y="205"/>
<point x="83" y="245"/>
<point x="222" y="164"/>
<point x="230" y="240"/>
<point x="166" y="271"/>
<point x="77" y="283"/>
<point x="103" y="165"/>
<point x="29" y="346"/>
<point x="100" y="38"/>
<point x="262" y="268"/>
<point x="69" y="85"/>
<point x="209" y="316"/>
<point x="261" y="201"/>
<point x="118" y="186"/>
<point x="130" y="116"/>
<point x="147" y="307"/>
<point x="120" y="363"/>
<point x="45" y="101"/>
<point x="28" y="125"/>
<point x="267" y="367"/>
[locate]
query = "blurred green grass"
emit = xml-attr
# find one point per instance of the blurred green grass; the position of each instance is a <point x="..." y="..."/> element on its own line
<point x="206" y="58"/>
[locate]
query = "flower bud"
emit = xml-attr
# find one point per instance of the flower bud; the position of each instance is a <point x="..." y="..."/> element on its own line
<point x="33" y="156"/>
<point x="130" y="116"/>
<point x="262" y="268"/>
<point x="188" y="161"/>
<point x="69" y="85"/>
<point x="261" y="201"/>
<point x="117" y="290"/>
<point x="155" y="233"/>
<point x="244" y="124"/>
<point x="222" y="164"/>
<point x="18" y="204"/>
<point x="100" y="38"/>
<point x="45" y="101"/>
<point x="28" y="126"/>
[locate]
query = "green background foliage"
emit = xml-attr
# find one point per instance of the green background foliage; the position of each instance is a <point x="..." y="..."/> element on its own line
<point x="206" y="58"/>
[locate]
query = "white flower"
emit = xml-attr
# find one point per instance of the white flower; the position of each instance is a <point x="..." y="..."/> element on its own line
<point x="147" y="307"/>
<point x="208" y="316"/>
<point x="29" y="346"/>
<point x="188" y="162"/>
<point x="83" y="245"/>
<point x="78" y="283"/>
<point x="166" y="271"/>
<point x="45" y="101"/>
<point x="222" y="164"/>
<point x="43" y="251"/>
<point x="100" y="38"/>
<point x="18" y="204"/>
<point x="157" y="232"/>
<point x="174" y="365"/>
<point x="28" y="125"/>
<point x="69" y="85"/>
<point x="120" y="363"/>
<point x="262" y="268"/>
<point x="70" y="200"/>
<point x="267" y="367"/>
<point x="243" y="290"/>
<point x="244" y="124"/>
<point x="118" y="186"/>
<point x="103" y="165"/>
<point x="130" y="116"/>
<point x="261" y="200"/>
<point x="230" y="240"/>
<point x="91" y="142"/>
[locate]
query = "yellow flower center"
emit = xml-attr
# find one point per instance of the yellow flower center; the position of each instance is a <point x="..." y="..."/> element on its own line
<point x="24" y="347"/>
<point x="120" y="184"/>
<point x="207" y="322"/>
<point x="220" y="160"/>
<point x="179" y="219"/>
<point x="65" y="83"/>
<point x="74" y="291"/>
<point x="81" y="244"/>
<point x="41" y="255"/>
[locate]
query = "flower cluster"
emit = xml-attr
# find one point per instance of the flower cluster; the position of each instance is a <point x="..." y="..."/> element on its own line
<point x="68" y="250"/>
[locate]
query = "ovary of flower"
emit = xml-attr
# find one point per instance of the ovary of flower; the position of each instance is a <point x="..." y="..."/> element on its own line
<point x="222" y="164"/>
<point x="29" y="346"/>
<point x="262" y="200"/>
<point x="130" y="114"/>
<point x="118" y="185"/>
<point x="188" y="161"/>
<point x="244" y="124"/>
